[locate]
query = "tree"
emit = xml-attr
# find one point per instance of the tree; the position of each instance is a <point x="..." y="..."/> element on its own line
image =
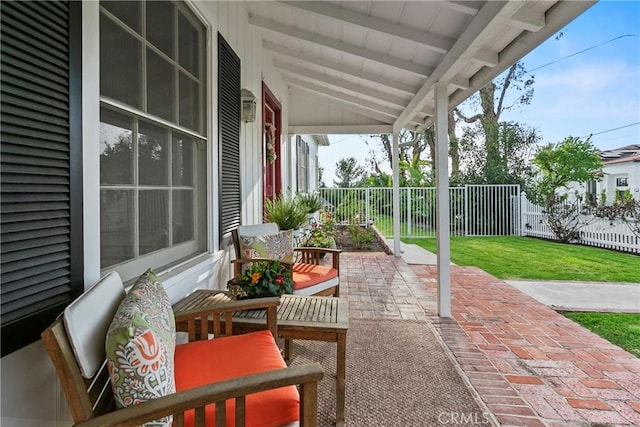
<point x="349" y="173"/>
<point x="414" y="169"/>
<point x="570" y="161"/>
<point x="321" y="183"/>
<point x="499" y="145"/>
<point x="515" y="146"/>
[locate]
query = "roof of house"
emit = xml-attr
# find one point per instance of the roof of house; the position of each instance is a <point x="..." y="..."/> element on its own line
<point x="628" y="153"/>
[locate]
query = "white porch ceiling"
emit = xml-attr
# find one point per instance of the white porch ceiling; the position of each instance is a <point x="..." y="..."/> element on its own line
<point x="356" y="65"/>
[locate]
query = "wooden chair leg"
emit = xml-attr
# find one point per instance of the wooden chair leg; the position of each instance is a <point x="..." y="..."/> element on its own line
<point x="287" y="349"/>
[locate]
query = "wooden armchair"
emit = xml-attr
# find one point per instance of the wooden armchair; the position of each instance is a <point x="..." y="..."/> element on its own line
<point x="77" y="348"/>
<point x="309" y="276"/>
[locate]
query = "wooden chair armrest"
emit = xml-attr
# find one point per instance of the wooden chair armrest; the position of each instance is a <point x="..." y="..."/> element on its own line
<point x="312" y="255"/>
<point x="201" y="321"/>
<point x="314" y="249"/>
<point x="306" y="376"/>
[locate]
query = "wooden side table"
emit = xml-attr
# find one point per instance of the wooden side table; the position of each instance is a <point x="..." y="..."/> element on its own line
<point x="299" y="317"/>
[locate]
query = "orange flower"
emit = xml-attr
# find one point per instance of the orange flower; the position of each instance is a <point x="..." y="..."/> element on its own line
<point x="255" y="277"/>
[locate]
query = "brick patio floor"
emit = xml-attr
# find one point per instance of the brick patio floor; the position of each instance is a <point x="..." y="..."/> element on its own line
<point x="529" y="365"/>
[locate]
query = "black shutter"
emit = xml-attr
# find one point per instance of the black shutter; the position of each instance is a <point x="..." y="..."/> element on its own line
<point x="41" y="179"/>
<point x="229" y="136"/>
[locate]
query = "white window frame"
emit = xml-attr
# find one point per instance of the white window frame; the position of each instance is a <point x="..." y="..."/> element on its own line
<point x="170" y="258"/>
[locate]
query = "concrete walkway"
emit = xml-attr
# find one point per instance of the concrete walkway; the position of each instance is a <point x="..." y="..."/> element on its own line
<point x="583" y="296"/>
<point x="559" y="295"/>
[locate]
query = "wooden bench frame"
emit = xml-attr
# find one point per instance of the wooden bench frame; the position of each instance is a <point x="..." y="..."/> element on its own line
<point x="91" y="400"/>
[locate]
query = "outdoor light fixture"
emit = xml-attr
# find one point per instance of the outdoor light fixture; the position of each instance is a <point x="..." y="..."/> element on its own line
<point x="248" y="105"/>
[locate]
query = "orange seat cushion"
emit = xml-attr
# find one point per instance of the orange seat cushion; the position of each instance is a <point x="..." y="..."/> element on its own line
<point x="305" y="275"/>
<point x="208" y="361"/>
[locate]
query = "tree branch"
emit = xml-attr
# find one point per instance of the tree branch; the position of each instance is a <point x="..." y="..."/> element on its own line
<point x="466" y="119"/>
<point x="505" y="87"/>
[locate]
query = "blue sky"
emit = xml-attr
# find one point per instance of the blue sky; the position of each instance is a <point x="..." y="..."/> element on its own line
<point x="592" y="92"/>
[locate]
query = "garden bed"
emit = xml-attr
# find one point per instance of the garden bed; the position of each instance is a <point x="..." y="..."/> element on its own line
<point x="345" y="240"/>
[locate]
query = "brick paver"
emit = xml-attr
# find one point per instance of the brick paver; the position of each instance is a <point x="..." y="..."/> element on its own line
<point x="529" y="365"/>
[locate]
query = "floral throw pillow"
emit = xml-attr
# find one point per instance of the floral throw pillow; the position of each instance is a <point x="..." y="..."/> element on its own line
<point x="140" y="346"/>
<point x="272" y="246"/>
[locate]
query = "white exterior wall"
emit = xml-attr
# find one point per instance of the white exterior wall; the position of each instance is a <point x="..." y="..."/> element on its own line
<point x="312" y="170"/>
<point x="31" y="392"/>
<point x="629" y="170"/>
<point x="313" y="166"/>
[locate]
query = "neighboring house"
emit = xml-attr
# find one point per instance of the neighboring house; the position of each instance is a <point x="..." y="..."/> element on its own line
<point x="621" y="172"/>
<point x="128" y="141"/>
<point x="307" y="173"/>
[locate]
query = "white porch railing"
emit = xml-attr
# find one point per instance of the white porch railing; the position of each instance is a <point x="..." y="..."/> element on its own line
<point x="601" y="232"/>
<point x="475" y="210"/>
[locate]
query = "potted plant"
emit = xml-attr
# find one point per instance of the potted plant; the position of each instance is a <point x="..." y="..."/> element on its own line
<point x="286" y="211"/>
<point x="262" y="279"/>
<point x="313" y="204"/>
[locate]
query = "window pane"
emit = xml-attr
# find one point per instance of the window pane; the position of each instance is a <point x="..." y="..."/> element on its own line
<point x="189" y="105"/>
<point x="188" y="46"/>
<point x="182" y="216"/>
<point x="120" y="62"/>
<point x="153" y="155"/>
<point x="160" y="29"/>
<point x="160" y="84"/>
<point x="117" y="231"/>
<point x="126" y="11"/>
<point x="116" y="155"/>
<point x="154" y="220"/>
<point x="182" y="160"/>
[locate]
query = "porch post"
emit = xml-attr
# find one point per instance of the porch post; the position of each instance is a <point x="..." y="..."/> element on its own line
<point x="395" y="167"/>
<point x="442" y="201"/>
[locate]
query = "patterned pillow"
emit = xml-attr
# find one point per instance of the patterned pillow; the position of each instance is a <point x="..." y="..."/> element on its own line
<point x="140" y="346"/>
<point x="272" y="246"/>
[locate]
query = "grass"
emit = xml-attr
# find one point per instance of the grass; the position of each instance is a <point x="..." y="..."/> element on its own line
<point x="621" y="329"/>
<point x="536" y="259"/>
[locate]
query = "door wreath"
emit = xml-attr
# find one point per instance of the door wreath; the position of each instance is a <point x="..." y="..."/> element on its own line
<point x="270" y="134"/>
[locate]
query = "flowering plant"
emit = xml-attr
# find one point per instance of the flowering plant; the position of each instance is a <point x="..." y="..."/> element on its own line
<point x="270" y="133"/>
<point x="264" y="277"/>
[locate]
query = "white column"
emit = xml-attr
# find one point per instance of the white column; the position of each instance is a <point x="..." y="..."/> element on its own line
<point x="442" y="201"/>
<point x="395" y="167"/>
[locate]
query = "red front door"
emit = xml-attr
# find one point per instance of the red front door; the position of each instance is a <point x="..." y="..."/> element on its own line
<point x="271" y="118"/>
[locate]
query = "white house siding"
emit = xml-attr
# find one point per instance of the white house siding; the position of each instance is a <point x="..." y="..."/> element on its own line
<point x="612" y="171"/>
<point x="312" y="164"/>
<point x="31" y="393"/>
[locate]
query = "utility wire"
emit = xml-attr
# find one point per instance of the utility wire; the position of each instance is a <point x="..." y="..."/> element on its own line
<point x="611" y="130"/>
<point x="582" y="51"/>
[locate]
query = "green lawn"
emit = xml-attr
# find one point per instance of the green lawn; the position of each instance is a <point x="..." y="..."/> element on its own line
<point x="621" y="329"/>
<point x="530" y="258"/>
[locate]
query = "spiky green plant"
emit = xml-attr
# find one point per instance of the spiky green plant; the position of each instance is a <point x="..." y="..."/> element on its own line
<point x="286" y="211"/>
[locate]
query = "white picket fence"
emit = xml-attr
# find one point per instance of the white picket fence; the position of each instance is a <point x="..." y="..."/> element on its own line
<point x="600" y="232"/>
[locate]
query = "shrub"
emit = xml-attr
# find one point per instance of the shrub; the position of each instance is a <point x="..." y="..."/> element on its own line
<point x="311" y="201"/>
<point x="286" y="211"/>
